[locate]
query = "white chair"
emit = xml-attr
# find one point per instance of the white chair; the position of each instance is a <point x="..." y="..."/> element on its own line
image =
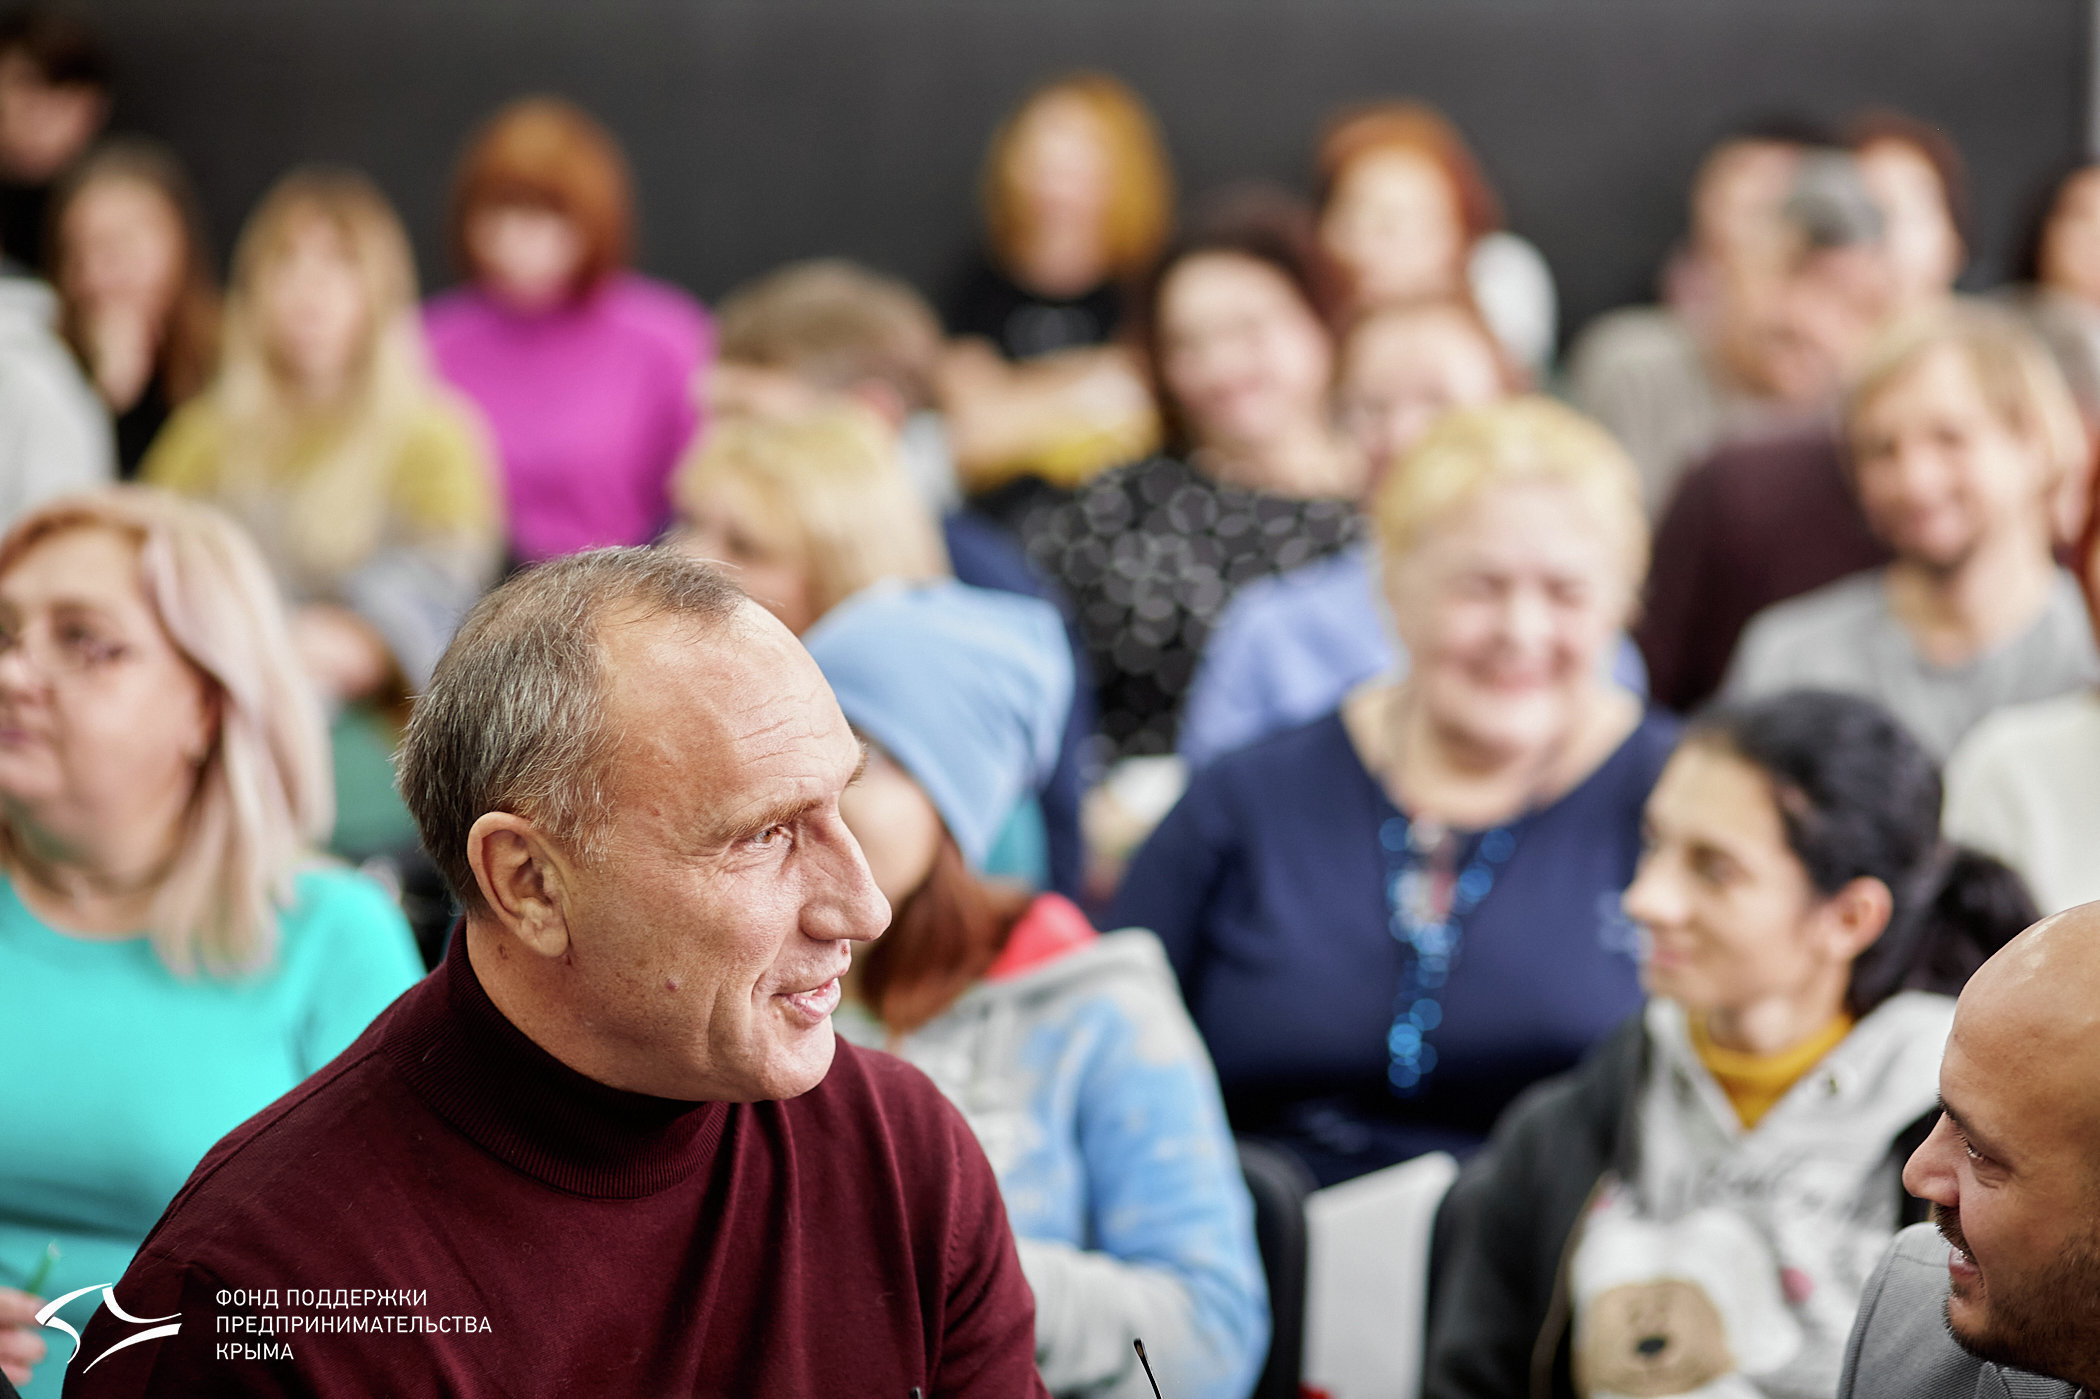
<point x="1367" y="1282"/>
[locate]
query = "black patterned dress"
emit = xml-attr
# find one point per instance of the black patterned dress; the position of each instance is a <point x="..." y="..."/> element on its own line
<point x="1150" y="553"/>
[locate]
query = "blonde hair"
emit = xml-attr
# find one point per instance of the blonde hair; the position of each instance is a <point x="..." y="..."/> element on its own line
<point x="1527" y="439"/>
<point x="2018" y="378"/>
<point x="1141" y="186"/>
<point x="830" y="481"/>
<point x="334" y="516"/>
<point x="264" y="797"/>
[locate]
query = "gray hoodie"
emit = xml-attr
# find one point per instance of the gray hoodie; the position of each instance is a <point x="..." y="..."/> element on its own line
<point x="1778" y="1227"/>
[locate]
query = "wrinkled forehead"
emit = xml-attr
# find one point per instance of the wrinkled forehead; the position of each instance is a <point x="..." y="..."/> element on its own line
<point x="715" y="707"/>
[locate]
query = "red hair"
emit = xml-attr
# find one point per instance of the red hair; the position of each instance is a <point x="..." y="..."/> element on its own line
<point x="546" y="153"/>
<point x="943" y="938"/>
<point x="1415" y="128"/>
<point x="1141" y="184"/>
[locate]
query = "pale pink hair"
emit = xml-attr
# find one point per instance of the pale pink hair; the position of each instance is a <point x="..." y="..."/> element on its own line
<point x="265" y="795"/>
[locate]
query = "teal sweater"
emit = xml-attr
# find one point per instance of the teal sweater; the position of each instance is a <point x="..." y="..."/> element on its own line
<point x="121" y="1075"/>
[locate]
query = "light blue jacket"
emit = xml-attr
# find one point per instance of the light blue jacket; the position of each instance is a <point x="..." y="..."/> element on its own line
<point x="1091" y="1092"/>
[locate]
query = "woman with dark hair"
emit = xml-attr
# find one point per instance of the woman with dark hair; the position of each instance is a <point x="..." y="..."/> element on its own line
<point x="585" y="370"/>
<point x="1236" y="328"/>
<point x="1067" y="1050"/>
<point x="2059" y="272"/>
<point x="1918" y="180"/>
<point x="1704" y="1198"/>
<point x="138" y="301"/>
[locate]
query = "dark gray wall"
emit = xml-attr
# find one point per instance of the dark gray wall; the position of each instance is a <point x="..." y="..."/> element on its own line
<point x="768" y="129"/>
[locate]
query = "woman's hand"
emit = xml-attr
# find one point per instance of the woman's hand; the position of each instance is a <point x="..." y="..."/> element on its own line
<point x="345" y="657"/>
<point x="21" y="1341"/>
<point x="1004" y="419"/>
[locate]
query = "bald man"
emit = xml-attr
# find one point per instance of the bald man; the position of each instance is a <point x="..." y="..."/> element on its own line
<point x="2000" y="1294"/>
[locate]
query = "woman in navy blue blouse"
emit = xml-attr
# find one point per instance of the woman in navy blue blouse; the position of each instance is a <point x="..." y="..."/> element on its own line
<point x="1390" y="921"/>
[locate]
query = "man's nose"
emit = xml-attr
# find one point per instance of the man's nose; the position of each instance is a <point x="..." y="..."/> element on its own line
<point x="1929" y="1174"/>
<point x="858" y="908"/>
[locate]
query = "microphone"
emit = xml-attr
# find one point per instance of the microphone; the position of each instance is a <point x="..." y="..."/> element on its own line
<point x="1140" y="1346"/>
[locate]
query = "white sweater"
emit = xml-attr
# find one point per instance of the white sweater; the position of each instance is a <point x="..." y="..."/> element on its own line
<point x="55" y="435"/>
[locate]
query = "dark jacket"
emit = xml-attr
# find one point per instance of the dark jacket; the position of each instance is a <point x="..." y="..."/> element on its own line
<point x="1499" y="1315"/>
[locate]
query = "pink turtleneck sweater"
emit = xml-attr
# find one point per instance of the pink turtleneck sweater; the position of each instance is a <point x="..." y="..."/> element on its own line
<point x="591" y="404"/>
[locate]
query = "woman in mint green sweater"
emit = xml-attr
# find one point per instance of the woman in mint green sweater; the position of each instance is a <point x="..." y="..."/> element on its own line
<point x="172" y="957"/>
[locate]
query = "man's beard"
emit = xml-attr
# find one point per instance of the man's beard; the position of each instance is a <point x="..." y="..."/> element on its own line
<point x="2048" y="1323"/>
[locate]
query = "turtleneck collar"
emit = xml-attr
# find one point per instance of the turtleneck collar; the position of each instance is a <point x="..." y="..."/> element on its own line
<point x="517" y="1102"/>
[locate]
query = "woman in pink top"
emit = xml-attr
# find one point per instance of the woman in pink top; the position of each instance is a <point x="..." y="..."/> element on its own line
<point x="586" y="371"/>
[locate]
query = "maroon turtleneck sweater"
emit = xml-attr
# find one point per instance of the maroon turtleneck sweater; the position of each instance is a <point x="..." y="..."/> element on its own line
<point x="567" y="1238"/>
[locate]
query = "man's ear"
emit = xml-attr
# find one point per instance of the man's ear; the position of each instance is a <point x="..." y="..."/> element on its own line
<point x="523" y="880"/>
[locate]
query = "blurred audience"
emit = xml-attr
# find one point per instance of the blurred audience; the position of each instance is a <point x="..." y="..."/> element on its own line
<point x="172" y="955"/>
<point x="812" y="333"/>
<point x="807" y="511"/>
<point x="1127" y="509"/>
<point x="54" y="100"/>
<point x="1920" y="183"/>
<point x="1236" y="324"/>
<point x="1773" y="515"/>
<point x="1069" y="1052"/>
<point x="1406" y="208"/>
<point x="589" y="374"/>
<point x="2025" y="783"/>
<point x="1078" y="200"/>
<point x="1728" y="1159"/>
<point x="1287" y="648"/>
<point x="1783" y="314"/>
<point x="2061" y="275"/>
<point x="135" y="280"/>
<point x="366" y="483"/>
<point x="1389" y="922"/>
<point x="1961" y="433"/>
<point x="1737" y="194"/>
<point x="1658" y="376"/>
<point x="1756" y="523"/>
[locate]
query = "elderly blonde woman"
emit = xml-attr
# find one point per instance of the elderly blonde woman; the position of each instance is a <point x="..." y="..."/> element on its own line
<point x="171" y="956"/>
<point x="1965" y="443"/>
<point x="1389" y="921"/>
<point x="368" y="485"/>
<point x="810" y="509"/>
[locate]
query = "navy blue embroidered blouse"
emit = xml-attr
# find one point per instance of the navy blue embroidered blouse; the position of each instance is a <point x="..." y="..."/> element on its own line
<point x="1266" y="885"/>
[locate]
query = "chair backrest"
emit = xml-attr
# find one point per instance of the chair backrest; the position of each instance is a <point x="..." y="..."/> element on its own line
<point x="1279" y="1183"/>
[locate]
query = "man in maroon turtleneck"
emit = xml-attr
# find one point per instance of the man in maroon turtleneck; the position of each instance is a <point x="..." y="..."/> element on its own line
<point x="610" y="1146"/>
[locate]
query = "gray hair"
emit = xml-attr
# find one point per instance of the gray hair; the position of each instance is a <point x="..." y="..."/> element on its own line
<point x="514" y="719"/>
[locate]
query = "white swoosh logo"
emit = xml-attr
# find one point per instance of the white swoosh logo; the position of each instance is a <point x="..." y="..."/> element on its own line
<point x="48" y="1316"/>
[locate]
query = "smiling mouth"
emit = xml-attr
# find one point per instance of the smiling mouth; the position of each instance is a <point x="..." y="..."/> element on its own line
<point x="814" y="1004"/>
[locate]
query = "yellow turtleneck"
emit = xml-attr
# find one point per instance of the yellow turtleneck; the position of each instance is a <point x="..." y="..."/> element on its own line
<point x="1754" y="1082"/>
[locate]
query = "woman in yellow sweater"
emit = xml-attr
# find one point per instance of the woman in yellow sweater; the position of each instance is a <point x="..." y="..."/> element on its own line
<point x="366" y="483"/>
<point x="1698" y="1206"/>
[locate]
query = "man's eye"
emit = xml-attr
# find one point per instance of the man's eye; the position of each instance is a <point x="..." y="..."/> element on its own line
<point x="772" y="835"/>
